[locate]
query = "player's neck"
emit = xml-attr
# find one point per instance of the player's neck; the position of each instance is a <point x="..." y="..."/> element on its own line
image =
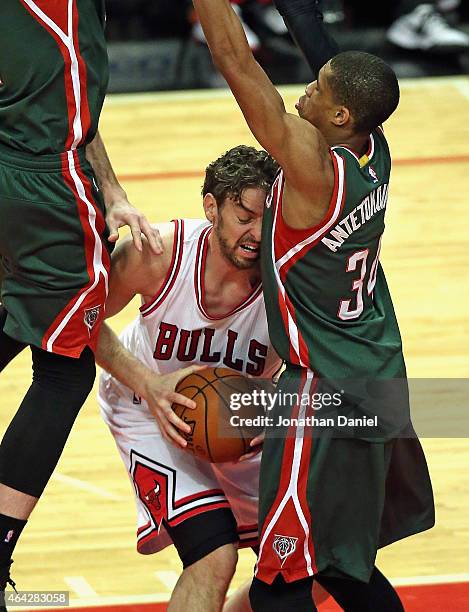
<point x="355" y="142"/>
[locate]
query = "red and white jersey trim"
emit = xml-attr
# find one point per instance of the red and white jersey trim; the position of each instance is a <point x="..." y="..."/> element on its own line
<point x="299" y="351"/>
<point x="330" y="220"/>
<point x="369" y="153"/>
<point x="173" y="270"/>
<point x="199" y="275"/>
<point x="75" y="102"/>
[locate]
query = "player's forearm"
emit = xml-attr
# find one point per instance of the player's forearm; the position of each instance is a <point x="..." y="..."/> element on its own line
<point x="113" y="357"/>
<point x="224" y="34"/>
<point x="107" y="181"/>
<point x="304" y="21"/>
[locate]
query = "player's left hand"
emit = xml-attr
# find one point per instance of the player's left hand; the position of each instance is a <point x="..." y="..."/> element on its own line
<point x="121" y="213"/>
<point x="256" y="445"/>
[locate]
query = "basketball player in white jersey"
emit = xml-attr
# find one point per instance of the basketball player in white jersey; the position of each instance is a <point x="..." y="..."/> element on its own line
<point x="202" y="303"/>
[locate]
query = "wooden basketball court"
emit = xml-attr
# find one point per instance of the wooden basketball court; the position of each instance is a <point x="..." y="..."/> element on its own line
<point x="81" y="537"/>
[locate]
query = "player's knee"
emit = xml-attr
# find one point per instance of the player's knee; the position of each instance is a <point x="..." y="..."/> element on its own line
<point x="67" y="376"/>
<point x="220" y="565"/>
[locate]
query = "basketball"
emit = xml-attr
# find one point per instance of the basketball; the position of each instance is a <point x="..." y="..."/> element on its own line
<point x="214" y="436"/>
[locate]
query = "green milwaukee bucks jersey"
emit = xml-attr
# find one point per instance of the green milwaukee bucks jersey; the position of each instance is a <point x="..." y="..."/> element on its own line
<point x="327" y="301"/>
<point x="53" y="73"/>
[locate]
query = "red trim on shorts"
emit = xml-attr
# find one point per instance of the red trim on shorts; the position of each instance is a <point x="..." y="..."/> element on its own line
<point x="172" y="273"/>
<point x="194" y="496"/>
<point x="196" y="511"/>
<point x="149" y="536"/>
<point x="75" y="334"/>
<point x="143" y="528"/>
<point x="288" y="524"/>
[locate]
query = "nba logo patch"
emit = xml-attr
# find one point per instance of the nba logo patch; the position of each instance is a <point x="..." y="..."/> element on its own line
<point x="8" y="536"/>
<point x="91" y="316"/>
<point x="284" y="546"/>
<point x="372" y="173"/>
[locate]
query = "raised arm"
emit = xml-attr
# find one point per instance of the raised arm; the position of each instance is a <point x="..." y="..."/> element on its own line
<point x="295" y="143"/>
<point x="304" y="20"/>
<point x="119" y="211"/>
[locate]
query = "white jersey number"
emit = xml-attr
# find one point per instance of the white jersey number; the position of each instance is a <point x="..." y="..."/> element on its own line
<point x="346" y="312"/>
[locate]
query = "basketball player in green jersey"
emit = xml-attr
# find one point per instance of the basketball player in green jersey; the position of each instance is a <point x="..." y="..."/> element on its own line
<point x="328" y="499"/>
<point x="60" y="207"/>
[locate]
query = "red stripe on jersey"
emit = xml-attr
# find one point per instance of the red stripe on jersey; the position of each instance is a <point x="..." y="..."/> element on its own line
<point x="84" y="107"/>
<point x="294" y="358"/>
<point x="172" y="272"/>
<point x="58" y="13"/>
<point x="304" y="352"/>
<point x="318" y="231"/>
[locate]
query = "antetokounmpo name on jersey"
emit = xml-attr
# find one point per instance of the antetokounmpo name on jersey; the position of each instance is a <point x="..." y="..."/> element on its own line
<point x="196" y="345"/>
<point x="368" y="207"/>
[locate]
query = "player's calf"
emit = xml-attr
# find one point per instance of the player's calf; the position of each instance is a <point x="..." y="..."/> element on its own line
<point x="202" y="586"/>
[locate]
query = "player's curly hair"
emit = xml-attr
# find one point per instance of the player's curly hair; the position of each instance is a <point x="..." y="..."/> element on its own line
<point x="238" y="169"/>
<point x="366" y="85"/>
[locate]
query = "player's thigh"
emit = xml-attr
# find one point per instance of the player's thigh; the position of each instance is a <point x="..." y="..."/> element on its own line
<point x="53" y="245"/>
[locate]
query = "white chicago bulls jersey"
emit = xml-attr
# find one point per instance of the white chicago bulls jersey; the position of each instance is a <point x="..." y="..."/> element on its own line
<point x="174" y="329"/>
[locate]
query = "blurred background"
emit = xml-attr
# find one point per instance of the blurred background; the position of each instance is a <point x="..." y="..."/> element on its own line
<point x="160" y="46"/>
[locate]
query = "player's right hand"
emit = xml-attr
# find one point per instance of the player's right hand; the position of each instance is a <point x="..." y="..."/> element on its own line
<point x="160" y="395"/>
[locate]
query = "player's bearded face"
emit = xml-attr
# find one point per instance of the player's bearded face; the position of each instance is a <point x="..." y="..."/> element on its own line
<point x="238" y="228"/>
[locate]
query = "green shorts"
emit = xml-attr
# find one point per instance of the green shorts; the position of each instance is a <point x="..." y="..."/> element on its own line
<point x="54" y="248"/>
<point x="326" y="504"/>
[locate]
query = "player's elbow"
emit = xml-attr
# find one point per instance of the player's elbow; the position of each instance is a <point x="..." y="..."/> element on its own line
<point x="229" y="61"/>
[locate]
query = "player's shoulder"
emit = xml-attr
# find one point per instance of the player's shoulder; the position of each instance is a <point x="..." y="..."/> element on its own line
<point x="307" y="161"/>
<point x="142" y="267"/>
<point x="193" y="228"/>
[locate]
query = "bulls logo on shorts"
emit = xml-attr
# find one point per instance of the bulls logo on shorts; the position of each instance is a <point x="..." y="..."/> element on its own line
<point x="152" y="490"/>
<point x="284" y="546"/>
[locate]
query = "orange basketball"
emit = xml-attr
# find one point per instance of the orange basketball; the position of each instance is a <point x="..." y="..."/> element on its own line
<point x="214" y="435"/>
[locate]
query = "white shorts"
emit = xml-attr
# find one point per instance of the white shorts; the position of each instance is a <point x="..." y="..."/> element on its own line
<point x="170" y="484"/>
